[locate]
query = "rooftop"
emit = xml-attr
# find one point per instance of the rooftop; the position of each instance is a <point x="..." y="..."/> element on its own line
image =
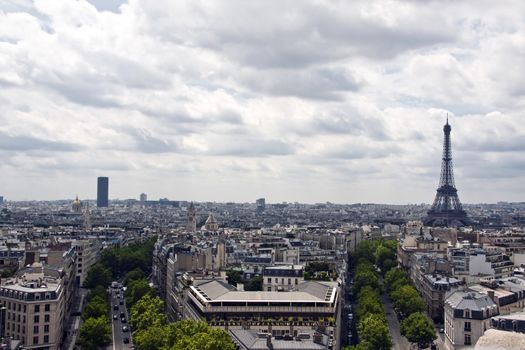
<point x="310" y="291"/>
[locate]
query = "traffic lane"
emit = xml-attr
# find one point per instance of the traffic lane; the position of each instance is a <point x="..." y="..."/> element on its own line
<point x="120" y="334"/>
<point x="118" y="337"/>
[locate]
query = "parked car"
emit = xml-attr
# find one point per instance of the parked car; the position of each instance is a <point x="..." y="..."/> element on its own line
<point x="123" y="320"/>
<point x="125" y="329"/>
<point x="121" y="302"/>
<point x="115" y="316"/>
<point x="115" y="307"/>
<point x="126" y="340"/>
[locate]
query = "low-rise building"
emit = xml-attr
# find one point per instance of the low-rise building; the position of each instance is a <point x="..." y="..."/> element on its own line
<point x="310" y="305"/>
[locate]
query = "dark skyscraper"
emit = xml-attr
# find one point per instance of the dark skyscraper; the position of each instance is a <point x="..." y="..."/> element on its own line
<point x="447" y="209"/>
<point x="102" y="191"/>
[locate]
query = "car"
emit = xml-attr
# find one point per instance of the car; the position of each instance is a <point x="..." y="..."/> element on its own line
<point x="121" y="302"/>
<point x="441" y="330"/>
<point x="126" y="340"/>
<point x="125" y="329"/>
<point x="115" y="307"/>
<point x="118" y="296"/>
<point x="115" y="317"/>
<point x="122" y="314"/>
<point x="123" y="320"/>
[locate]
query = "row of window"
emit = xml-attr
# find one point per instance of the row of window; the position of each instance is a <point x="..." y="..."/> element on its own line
<point x="16" y="317"/>
<point x="36" y="329"/>
<point x="282" y="280"/>
<point x="20" y="307"/>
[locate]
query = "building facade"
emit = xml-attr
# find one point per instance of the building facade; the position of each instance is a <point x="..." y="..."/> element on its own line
<point x="34" y="310"/>
<point x="102" y="192"/>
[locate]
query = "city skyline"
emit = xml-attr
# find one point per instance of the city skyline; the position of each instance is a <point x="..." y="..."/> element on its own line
<point x="308" y="102"/>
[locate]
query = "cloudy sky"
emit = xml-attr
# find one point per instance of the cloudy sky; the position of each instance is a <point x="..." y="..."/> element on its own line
<point x="308" y="101"/>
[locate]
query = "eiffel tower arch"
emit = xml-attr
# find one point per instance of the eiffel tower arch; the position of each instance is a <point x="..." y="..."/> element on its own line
<point x="447" y="209"/>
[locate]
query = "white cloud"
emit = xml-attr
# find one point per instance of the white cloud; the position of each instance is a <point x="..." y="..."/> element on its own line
<point x="312" y="100"/>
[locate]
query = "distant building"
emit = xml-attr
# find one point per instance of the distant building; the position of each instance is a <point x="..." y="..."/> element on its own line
<point x="76" y="206"/>
<point x="102" y="192"/>
<point x="192" y="218"/>
<point x="143" y="197"/>
<point x="211" y="223"/>
<point x="1" y="200"/>
<point x="261" y="204"/>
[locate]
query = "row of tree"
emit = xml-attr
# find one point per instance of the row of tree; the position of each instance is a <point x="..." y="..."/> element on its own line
<point x="152" y="332"/>
<point x="133" y="262"/>
<point x="415" y="325"/>
<point x="372" y="327"/>
<point x="117" y="262"/>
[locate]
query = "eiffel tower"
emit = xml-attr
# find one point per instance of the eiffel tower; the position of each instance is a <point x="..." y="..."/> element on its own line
<point x="446" y="209"/>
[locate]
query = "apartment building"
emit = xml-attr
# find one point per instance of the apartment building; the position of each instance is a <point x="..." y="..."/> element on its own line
<point x="467" y="317"/>
<point x="34" y="310"/>
<point x="88" y="252"/>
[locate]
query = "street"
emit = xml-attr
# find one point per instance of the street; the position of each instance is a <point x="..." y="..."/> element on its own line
<point x="118" y="335"/>
<point x="400" y="342"/>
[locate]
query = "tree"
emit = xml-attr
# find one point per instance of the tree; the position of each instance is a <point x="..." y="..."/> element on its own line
<point x="255" y="284"/>
<point x="395" y="278"/>
<point x="407" y="300"/>
<point x="147" y="312"/>
<point x="133" y="275"/>
<point x="98" y="291"/>
<point x="98" y="275"/>
<point x="418" y="329"/>
<point x="97" y="307"/>
<point x="151" y="338"/>
<point x="384" y="254"/>
<point x="373" y="333"/>
<point x="365" y="278"/>
<point x="95" y="333"/>
<point x="368" y="302"/>
<point x="136" y="290"/>
<point x="192" y="335"/>
<point x="233" y="277"/>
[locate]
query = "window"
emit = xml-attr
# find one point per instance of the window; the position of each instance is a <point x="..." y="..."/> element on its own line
<point x="289" y="281"/>
<point x="269" y="280"/>
<point x="296" y="281"/>
<point x="46" y="328"/>
<point x="269" y="289"/>
<point x="37" y="308"/>
<point x="467" y="339"/>
<point x="35" y="340"/>
<point x="47" y="307"/>
<point x="467" y="327"/>
<point x="36" y="329"/>
<point x="46" y="339"/>
<point x="46" y="318"/>
<point x="36" y="319"/>
<point x="466" y="313"/>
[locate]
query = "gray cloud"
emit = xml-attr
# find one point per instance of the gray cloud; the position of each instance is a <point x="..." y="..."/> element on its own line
<point x="30" y="143"/>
